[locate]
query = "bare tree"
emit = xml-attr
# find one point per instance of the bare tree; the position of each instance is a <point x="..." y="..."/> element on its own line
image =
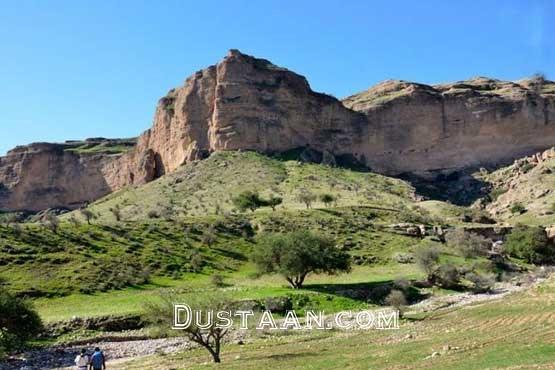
<point x="210" y="335"/>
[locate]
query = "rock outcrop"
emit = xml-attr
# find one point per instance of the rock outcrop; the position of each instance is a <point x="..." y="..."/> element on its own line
<point x="429" y="130"/>
<point x="243" y="103"/>
<point x="248" y="103"/>
<point x="44" y="175"/>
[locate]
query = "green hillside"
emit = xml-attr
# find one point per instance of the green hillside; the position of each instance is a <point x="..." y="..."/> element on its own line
<point x="183" y="235"/>
<point x="207" y="187"/>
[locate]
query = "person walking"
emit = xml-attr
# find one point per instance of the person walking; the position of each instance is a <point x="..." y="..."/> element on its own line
<point x="98" y="362"/>
<point x="82" y="360"/>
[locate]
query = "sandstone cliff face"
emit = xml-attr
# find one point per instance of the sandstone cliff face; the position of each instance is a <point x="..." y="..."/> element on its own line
<point x="438" y="129"/>
<point x="43" y="175"/>
<point x="243" y="103"/>
<point x="250" y="104"/>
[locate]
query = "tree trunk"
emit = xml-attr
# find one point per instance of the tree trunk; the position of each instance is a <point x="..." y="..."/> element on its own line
<point x="216" y="357"/>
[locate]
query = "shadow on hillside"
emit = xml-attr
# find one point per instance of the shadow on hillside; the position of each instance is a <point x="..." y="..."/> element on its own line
<point x="460" y="188"/>
<point x="374" y="292"/>
<point x="309" y="155"/>
<point x="230" y="254"/>
<point x="284" y="356"/>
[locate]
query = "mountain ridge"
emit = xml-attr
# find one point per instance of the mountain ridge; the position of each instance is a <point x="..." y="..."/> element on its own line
<point x="247" y="103"/>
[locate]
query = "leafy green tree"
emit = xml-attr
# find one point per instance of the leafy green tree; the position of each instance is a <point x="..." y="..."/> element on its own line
<point x="296" y="254"/>
<point x="248" y="200"/>
<point x="19" y="322"/>
<point x="530" y="244"/>
<point x="273" y="202"/>
<point x="327" y="199"/>
<point x="87" y="214"/>
<point x="306" y="197"/>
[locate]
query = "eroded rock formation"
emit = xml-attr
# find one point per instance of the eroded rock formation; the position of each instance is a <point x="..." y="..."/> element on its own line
<point x="44" y="175"/>
<point x="250" y="104"/>
<point x="440" y="129"/>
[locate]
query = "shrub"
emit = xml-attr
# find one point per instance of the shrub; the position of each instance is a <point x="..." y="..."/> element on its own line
<point x="379" y="293"/>
<point x="196" y="262"/>
<point x="530" y="244"/>
<point x="446" y="276"/>
<point x="17" y="230"/>
<point x="217" y="280"/>
<point x="468" y="244"/>
<point x="297" y="254"/>
<point x="106" y="273"/>
<point x="518" y="208"/>
<point x="19" y="322"/>
<point x="247" y="200"/>
<point x="116" y="212"/>
<point x="426" y="258"/>
<point x="74" y="221"/>
<point x="327" y="199"/>
<point x="274" y="201"/>
<point x="208" y="237"/>
<point x="414" y="214"/>
<point x="480" y="283"/>
<point x="403" y="258"/>
<point x="396" y="299"/>
<point x="152" y="214"/>
<point x="51" y="222"/>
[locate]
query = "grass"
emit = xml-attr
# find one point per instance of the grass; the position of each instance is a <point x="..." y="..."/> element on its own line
<point x="112" y="267"/>
<point x="516" y="332"/>
<point x="241" y="286"/>
<point x="207" y="187"/>
<point x="115" y="146"/>
<point x="87" y="258"/>
<point x="111" y="254"/>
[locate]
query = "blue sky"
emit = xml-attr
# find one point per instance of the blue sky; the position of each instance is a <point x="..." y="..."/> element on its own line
<point x="76" y="69"/>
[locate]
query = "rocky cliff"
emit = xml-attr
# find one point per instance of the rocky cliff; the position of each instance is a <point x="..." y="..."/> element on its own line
<point x="44" y="175"/>
<point x="250" y="104"/>
<point x="243" y="103"/>
<point x="439" y="129"/>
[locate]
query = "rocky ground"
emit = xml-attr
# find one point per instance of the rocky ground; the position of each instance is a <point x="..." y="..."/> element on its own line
<point x="118" y="350"/>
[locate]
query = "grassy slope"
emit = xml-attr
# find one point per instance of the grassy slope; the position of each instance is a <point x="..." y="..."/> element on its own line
<point x="516" y="332"/>
<point x="85" y="258"/>
<point x="199" y="188"/>
<point x="240" y="285"/>
<point x="110" y="254"/>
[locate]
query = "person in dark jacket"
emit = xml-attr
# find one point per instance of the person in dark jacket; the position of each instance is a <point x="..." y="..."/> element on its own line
<point x="98" y="361"/>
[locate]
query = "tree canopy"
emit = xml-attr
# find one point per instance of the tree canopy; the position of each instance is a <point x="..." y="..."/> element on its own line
<point x="530" y="244"/>
<point x="296" y="254"/>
